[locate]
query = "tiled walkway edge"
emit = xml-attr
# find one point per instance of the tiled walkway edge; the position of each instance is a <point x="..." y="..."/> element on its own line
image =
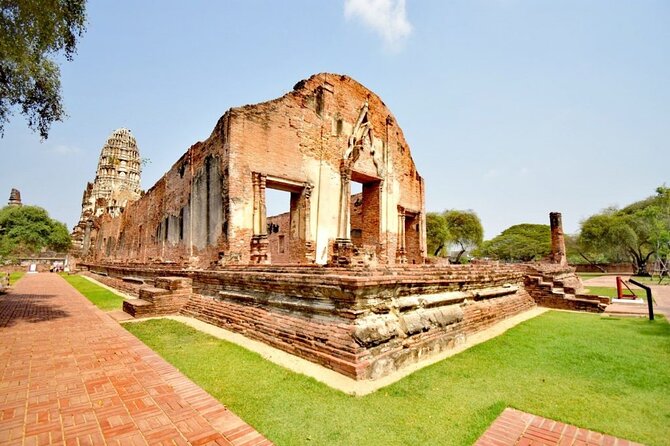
<point x="516" y="428"/>
<point x="71" y="375"/>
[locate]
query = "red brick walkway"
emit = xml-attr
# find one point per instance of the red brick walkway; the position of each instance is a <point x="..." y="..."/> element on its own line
<point x="516" y="428"/>
<point x="71" y="375"/>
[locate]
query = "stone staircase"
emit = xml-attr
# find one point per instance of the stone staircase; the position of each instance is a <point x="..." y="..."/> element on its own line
<point x="167" y="296"/>
<point x="551" y="293"/>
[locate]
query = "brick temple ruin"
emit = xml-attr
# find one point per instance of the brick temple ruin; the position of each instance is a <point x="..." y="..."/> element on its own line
<point x="14" y="198"/>
<point x="116" y="184"/>
<point x="340" y="279"/>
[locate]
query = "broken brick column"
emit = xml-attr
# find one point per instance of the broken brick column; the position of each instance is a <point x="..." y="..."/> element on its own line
<point x="259" y="240"/>
<point x="558" y="254"/>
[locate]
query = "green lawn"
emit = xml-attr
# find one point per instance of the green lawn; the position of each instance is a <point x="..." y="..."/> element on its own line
<point x="101" y="297"/>
<point x="611" y="292"/>
<point x="13" y="277"/>
<point x="606" y="374"/>
<point x="652" y="281"/>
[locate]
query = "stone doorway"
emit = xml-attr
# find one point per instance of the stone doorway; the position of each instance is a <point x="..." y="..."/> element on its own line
<point x="365" y="214"/>
<point x="284" y="238"/>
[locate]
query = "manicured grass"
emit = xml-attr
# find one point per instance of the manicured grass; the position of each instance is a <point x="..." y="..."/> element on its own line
<point x="611" y="292"/>
<point x="101" y="297"/>
<point x="649" y="281"/>
<point x="13" y="277"/>
<point x="606" y="374"/>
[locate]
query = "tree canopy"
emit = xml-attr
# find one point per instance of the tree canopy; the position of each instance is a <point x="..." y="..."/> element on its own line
<point x="29" y="229"/>
<point x="32" y="34"/>
<point x="461" y="229"/>
<point x="519" y="243"/>
<point x="634" y="233"/>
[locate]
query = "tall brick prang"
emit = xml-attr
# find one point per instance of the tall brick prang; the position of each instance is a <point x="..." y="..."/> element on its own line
<point x="116" y="184"/>
<point x="14" y="198"/>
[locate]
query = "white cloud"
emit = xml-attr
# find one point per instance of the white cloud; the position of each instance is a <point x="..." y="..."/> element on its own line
<point x="386" y="17"/>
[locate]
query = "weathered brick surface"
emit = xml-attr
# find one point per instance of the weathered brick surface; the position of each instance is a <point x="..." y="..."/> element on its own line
<point x="548" y="293"/>
<point x="360" y="322"/>
<point x="516" y="428"/>
<point x="71" y="375"/>
<point x="209" y="208"/>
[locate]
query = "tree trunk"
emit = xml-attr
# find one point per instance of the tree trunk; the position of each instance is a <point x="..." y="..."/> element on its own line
<point x="602" y="270"/>
<point x="458" y="257"/>
<point x="640" y="262"/>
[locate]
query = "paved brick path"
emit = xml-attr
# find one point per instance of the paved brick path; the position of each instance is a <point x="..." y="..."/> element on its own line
<point x="661" y="295"/>
<point x="516" y="428"/>
<point x="71" y="375"/>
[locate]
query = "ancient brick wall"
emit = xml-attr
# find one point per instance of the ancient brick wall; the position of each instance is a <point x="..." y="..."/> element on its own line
<point x="209" y="209"/>
<point x="181" y="219"/>
<point x="621" y="268"/>
<point x="362" y="323"/>
<point x="279" y="238"/>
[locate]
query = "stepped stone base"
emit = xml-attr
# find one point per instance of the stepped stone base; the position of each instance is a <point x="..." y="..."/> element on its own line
<point x="553" y="294"/>
<point x="363" y="323"/>
<point x="168" y="297"/>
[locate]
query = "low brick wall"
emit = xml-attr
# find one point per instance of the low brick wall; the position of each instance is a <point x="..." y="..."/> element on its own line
<point x="359" y="322"/>
<point x="127" y="287"/>
<point x="611" y="268"/>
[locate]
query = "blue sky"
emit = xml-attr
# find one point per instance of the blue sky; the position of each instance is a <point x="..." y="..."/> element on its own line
<point x="511" y="108"/>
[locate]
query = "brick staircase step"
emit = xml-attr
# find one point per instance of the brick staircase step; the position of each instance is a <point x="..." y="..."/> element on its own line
<point x="137" y="307"/>
<point x="151" y="293"/>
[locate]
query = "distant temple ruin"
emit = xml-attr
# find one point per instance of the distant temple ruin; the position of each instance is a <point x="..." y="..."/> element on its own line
<point x="116" y="184"/>
<point x="14" y="198"/>
<point x="341" y="279"/>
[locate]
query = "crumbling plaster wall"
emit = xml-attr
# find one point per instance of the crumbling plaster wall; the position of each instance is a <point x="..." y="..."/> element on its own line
<point x="202" y="211"/>
<point x="181" y="219"/>
<point x="302" y="137"/>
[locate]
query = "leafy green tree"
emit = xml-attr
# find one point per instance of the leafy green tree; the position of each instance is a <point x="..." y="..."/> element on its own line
<point x="519" y="243"/>
<point x="465" y="229"/>
<point x="29" y="229"/>
<point x="453" y="227"/>
<point x="437" y="234"/>
<point x="32" y="34"/>
<point x="634" y="233"/>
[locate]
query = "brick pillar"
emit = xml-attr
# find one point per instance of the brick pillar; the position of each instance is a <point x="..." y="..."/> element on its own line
<point x="343" y="248"/>
<point x="310" y="250"/>
<point x="259" y="240"/>
<point x="557" y="239"/>
<point x="401" y="253"/>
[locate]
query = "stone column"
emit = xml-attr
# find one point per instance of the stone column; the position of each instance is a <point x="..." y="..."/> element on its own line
<point x="401" y="252"/>
<point x="345" y="203"/>
<point x="256" y="202"/>
<point x="310" y="250"/>
<point x="343" y="248"/>
<point x="306" y="202"/>
<point x="259" y="239"/>
<point x="262" y="180"/>
<point x="557" y="239"/>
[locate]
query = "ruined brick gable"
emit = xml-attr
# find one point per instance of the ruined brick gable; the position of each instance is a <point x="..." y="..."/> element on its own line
<point x="210" y="209"/>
